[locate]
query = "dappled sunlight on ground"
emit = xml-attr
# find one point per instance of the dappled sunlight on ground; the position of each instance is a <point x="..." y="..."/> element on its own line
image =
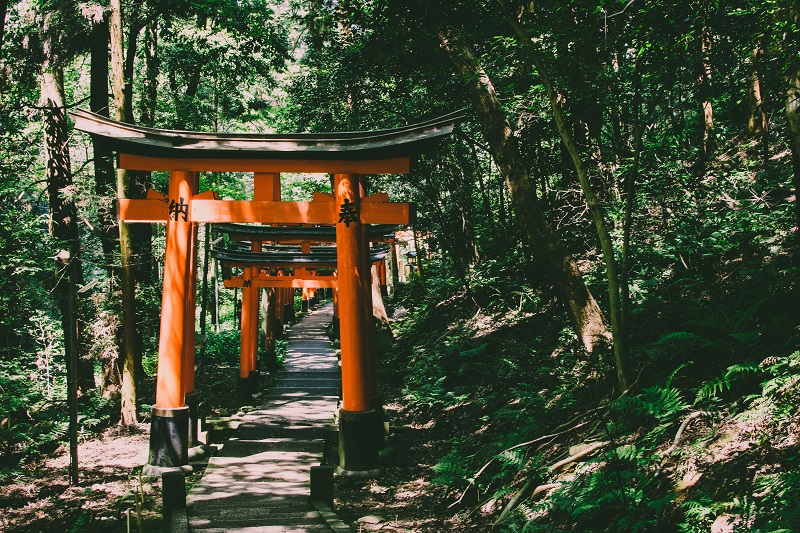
<point x="41" y="499"/>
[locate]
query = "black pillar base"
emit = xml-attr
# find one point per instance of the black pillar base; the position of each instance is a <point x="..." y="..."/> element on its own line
<point x="169" y="441"/>
<point x="271" y="361"/>
<point x="173" y="492"/>
<point x="193" y="403"/>
<point x="254" y="382"/>
<point x="304" y="306"/>
<point x="358" y="446"/>
<point x="279" y="328"/>
<point x="243" y="391"/>
<point x="288" y="313"/>
<point x="322" y="484"/>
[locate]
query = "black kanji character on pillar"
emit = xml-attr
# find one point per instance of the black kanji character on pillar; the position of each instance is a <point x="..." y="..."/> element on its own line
<point x="179" y="208"/>
<point x="348" y="213"/>
<point x="247" y="283"/>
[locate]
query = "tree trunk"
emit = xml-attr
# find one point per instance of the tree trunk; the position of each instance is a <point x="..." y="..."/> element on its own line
<point x="549" y="251"/>
<point x="105" y="186"/>
<point x="143" y="233"/>
<point x="704" y="84"/>
<point x="757" y="120"/>
<point x="150" y="81"/>
<point x="792" y="14"/>
<point x="3" y="11"/>
<point x="61" y="191"/>
<point x="104" y="179"/>
<point x="595" y="210"/>
<point x="757" y="117"/>
<point x="128" y="415"/>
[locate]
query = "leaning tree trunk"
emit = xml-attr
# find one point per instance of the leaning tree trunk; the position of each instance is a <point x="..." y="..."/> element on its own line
<point x="3" y="11"/>
<point x="792" y="14"/>
<point x="595" y="210"/>
<point x="128" y="414"/>
<point x="550" y="253"/>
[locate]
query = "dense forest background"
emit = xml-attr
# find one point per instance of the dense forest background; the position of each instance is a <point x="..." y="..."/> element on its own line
<point x="606" y="313"/>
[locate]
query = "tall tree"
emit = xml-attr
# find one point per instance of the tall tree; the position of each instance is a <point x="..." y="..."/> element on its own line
<point x="548" y="251"/>
<point x="128" y="414"/>
<point x="705" y="46"/>
<point x="790" y="13"/>
<point x="3" y="11"/>
<point x="595" y="209"/>
<point x="60" y="185"/>
<point x="104" y="180"/>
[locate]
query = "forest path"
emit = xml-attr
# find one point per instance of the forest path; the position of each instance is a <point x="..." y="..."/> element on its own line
<point x="259" y="482"/>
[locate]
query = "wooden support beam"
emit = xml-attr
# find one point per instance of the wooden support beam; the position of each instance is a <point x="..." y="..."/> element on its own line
<point x="267" y="186"/>
<point x="205" y="209"/>
<point x="388" y="213"/>
<point x="284" y="282"/>
<point x="145" y="211"/>
<point x="191" y="305"/>
<point x="399" y="165"/>
<point x="264" y="212"/>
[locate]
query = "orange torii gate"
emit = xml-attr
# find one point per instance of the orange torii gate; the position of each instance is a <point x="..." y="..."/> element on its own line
<point x="268" y="268"/>
<point x="184" y="155"/>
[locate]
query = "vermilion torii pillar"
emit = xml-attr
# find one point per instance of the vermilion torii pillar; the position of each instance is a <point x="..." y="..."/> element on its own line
<point x="169" y="427"/>
<point x="358" y="450"/>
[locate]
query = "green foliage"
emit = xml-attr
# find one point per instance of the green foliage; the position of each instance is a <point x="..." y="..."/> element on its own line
<point x="222" y="348"/>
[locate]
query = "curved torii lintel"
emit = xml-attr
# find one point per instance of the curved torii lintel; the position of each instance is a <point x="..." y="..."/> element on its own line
<point x="383" y="151"/>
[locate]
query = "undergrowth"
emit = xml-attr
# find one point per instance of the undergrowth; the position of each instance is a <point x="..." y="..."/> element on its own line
<point x="706" y="438"/>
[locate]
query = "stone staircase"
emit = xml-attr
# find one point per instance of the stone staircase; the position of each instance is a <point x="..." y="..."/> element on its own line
<point x="260" y="481"/>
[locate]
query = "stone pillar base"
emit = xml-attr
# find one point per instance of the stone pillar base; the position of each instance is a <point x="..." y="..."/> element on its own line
<point x="358" y="446"/>
<point x="193" y="403"/>
<point x="254" y="382"/>
<point x="243" y="391"/>
<point x="169" y="440"/>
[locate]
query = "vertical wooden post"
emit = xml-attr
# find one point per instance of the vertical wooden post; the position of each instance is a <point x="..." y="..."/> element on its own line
<point x="335" y="319"/>
<point x="358" y="450"/>
<point x="395" y="267"/>
<point x="243" y="384"/>
<point x="271" y="360"/>
<point x="382" y="277"/>
<point x="169" y="427"/>
<point x="376" y="400"/>
<point x="252" y="326"/>
<point x="190" y="397"/>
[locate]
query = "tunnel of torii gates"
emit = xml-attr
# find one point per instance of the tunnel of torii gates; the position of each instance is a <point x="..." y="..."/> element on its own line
<point x="343" y="218"/>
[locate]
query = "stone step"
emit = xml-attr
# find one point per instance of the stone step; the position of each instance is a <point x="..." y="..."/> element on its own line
<point x="253" y="517"/>
<point x="318" y="528"/>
